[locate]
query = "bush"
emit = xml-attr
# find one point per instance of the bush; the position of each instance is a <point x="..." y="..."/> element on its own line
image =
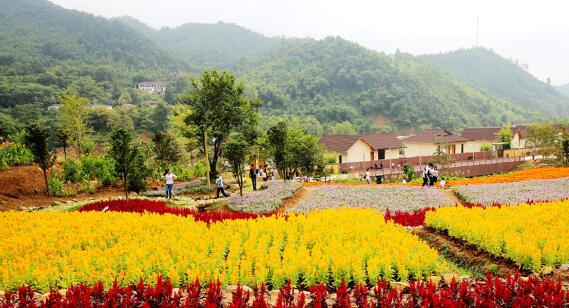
<point x="87" y="146"/>
<point x="138" y="175"/>
<point x="55" y="185"/>
<point x="14" y="154"/>
<point x="409" y="172"/>
<point x="98" y="168"/>
<point x="71" y="171"/>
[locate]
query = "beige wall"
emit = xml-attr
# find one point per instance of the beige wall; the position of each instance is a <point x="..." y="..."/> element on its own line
<point x="413" y="149"/>
<point x="391" y="154"/>
<point x="518" y="143"/>
<point x="360" y="151"/>
<point x="474" y="146"/>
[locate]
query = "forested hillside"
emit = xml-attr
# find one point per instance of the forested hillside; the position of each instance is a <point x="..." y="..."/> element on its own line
<point x="564" y="89"/>
<point x="220" y="45"/>
<point x="45" y="49"/>
<point x="496" y="75"/>
<point x="335" y="80"/>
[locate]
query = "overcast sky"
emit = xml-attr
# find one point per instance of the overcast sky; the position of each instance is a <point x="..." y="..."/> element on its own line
<point x="533" y="32"/>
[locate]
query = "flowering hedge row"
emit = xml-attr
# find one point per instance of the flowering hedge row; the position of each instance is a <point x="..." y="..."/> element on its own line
<point x="266" y="200"/>
<point x="60" y="249"/>
<point x="394" y="198"/>
<point x="492" y="292"/>
<point x="160" y="207"/>
<point x="514" y="193"/>
<point x="516" y="176"/>
<point x="532" y="235"/>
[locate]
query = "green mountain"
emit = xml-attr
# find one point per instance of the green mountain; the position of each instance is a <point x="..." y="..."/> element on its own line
<point x="220" y="45"/>
<point x="45" y="49"/>
<point x="501" y="77"/>
<point x="564" y="89"/>
<point x="335" y="80"/>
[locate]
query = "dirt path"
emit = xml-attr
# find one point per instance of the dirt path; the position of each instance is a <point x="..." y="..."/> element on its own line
<point x="291" y="202"/>
<point x="452" y="196"/>
<point x="467" y="255"/>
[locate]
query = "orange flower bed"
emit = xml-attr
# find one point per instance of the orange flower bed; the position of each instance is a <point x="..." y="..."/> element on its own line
<point x="516" y="176"/>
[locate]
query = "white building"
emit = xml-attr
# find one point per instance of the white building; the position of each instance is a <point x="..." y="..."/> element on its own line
<point x="361" y="148"/>
<point x="154" y="87"/>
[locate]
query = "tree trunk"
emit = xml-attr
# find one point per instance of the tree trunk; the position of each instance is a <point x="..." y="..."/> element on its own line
<point x="125" y="182"/>
<point x="46" y="182"/>
<point x="207" y="167"/>
<point x="65" y="152"/>
<point x="241" y="185"/>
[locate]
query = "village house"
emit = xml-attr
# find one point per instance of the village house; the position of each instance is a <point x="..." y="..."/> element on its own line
<point x="154" y="87"/>
<point x="359" y="148"/>
<point x="425" y="143"/>
<point x="519" y="139"/>
<point x="479" y="137"/>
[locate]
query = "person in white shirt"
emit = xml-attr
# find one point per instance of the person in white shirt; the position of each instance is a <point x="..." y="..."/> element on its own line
<point x="368" y="177"/>
<point x="169" y="176"/>
<point x="219" y="185"/>
<point x="426" y="172"/>
<point x="443" y="183"/>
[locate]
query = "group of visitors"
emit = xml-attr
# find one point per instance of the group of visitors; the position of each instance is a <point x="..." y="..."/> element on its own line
<point x="264" y="172"/>
<point x="169" y="177"/>
<point x="430" y="175"/>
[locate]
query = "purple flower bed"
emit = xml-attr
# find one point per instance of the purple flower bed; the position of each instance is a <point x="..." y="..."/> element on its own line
<point x="515" y="193"/>
<point x="266" y="200"/>
<point x="394" y="198"/>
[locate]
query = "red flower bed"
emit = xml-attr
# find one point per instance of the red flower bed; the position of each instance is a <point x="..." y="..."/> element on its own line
<point x="160" y="207"/>
<point x="492" y="292"/>
<point x="408" y="219"/>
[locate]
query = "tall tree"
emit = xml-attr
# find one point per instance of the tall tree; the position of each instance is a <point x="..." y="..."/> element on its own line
<point x="277" y="136"/>
<point x="161" y="118"/>
<point x="62" y="137"/>
<point x="236" y="155"/>
<point x="124" y="154"/>
<point x="37" y="141"/>
<point x="505" y="136"/>
<point x="303" y="153"/>
<point x="75" y="112"/>
<point x="219" y="107"/>
<point x="166" y="148"/>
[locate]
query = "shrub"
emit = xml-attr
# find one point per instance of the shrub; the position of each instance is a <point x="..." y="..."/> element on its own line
<point x="71" y="171"/>
<point x="55" y="185"/>
<point x="99" y="168"/>
<point x="14" y="154"/>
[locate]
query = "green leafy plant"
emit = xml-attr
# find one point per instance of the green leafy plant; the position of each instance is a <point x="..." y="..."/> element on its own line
<point x="72" y="171"/>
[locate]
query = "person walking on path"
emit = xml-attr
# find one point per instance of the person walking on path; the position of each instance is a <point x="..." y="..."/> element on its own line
<point x="426" y="172"/>
<point x="434" y="176"/>
<point x="169" y="176"/>
<point x="219" y="185"/>
<point x="253" y="176"/>
<point x="368" y="176"/>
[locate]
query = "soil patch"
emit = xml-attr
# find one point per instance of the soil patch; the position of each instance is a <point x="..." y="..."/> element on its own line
<point x="467" y="255"/>
<point x="291" y="202"/>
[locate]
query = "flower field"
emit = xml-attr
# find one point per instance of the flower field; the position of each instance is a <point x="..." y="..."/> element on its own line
<point x="533" y="235"/>
<point x="61" y="249"/>
<point x="160" y="207"/>
<point x="516" y="176"/>
<point x="395" y="198"/>
<point x="267" y="200"/>
<point x="492" y="292"/>
<point x="514" y="193"/>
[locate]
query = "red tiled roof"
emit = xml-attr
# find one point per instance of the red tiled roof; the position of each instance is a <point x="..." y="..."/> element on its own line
<point x="383" y="141"/>
<point x="341" y="143"/>
<point x="521" y="129"/>
<point x="435" y="135"/>
<point x="481" y="133"/>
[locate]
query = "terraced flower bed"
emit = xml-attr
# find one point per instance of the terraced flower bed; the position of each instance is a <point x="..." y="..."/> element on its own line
<point x="394" y="198"/>
<point x="160" y="207"/>
<point x="491" y="292"/>
<point x="514" y="193"/>
<point x="532" y="235"/>
<point x="266" y="200"/>
<point x="60" y="249"/>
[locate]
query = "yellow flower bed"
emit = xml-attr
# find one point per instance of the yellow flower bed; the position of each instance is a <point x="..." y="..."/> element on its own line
<point x="58" y="249"/>
<point x="531" y="235"/>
